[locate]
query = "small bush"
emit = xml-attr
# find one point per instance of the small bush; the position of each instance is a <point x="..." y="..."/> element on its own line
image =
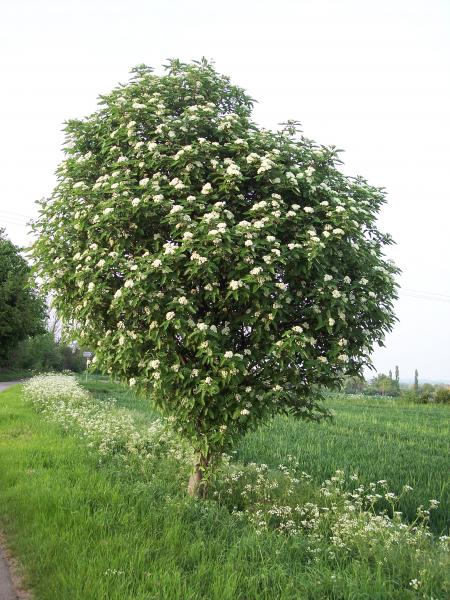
<point x="411" y="396"/>
<point x="442" y="395"/>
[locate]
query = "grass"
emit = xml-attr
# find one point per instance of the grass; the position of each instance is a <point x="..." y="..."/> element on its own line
<point x="15" y="374"/>
<point x="375" y="437"/>
<point x="90" y="531"/>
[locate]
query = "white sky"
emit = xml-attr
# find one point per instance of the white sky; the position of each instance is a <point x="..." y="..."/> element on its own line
<point x="371" y="77"/>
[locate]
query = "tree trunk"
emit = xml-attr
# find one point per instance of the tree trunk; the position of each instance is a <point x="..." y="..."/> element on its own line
<point x="197" y="485"/>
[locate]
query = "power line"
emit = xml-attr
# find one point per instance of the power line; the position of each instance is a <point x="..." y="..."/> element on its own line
<point x="425" y="296"/>
<point x="434" y="294"/>
<point x="12" y="223"/>
<point x="9" y="214"/>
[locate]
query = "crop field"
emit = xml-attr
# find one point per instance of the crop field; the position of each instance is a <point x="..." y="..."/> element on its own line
<point x="376" y="438"/>
<point x="90" y="522"/>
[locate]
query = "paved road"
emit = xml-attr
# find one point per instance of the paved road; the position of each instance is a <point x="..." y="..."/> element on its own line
<point x="4" y="385"/>
<point x="7" y="591"/>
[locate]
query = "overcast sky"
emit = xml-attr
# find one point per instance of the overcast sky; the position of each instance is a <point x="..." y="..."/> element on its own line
<point x="371" y="77"/>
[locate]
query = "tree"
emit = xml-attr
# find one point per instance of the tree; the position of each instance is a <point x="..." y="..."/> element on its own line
<point x="416" y="381"/>
<point x="384" y="385"/>
<point x="224" y="269"/>
<point x="354" y="385"/>
<point x="44" y="353"/>
<point x="397" y="377"/>
<point x="22" y="310"/>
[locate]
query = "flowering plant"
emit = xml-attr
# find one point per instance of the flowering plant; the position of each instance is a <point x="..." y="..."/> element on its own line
<point x="224" y="268"/>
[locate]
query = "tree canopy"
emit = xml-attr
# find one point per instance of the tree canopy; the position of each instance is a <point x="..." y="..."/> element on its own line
<point x="22" y="310"/>
<point x="225" y="269"/>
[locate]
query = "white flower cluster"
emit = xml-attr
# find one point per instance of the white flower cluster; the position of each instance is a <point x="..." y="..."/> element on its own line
<point x="105" y="427"/>
<point x="342" y="522"/>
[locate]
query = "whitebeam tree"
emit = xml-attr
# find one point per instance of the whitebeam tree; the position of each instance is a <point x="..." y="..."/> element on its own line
<point x="222" y="269"/>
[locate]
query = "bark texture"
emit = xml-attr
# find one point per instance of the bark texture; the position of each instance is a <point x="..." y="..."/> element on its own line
<point x="197" y="485"/>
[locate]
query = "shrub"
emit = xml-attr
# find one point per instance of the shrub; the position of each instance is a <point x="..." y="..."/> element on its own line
<point x="442" y="395"/>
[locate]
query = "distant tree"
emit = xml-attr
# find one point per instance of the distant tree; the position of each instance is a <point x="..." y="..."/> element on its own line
<point x="354" y="385"/>
<point x="384" y="385"/>
<point x="390" y="374"/>
<point x="22" y="310"/>
<point x="416" y="381"/>
<point x="397" y="377"/>
<point x="44" y="353"/>
<point x="54" y="324"/>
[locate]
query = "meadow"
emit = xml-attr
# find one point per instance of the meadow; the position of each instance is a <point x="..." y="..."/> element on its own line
<point x="93" y="524"/>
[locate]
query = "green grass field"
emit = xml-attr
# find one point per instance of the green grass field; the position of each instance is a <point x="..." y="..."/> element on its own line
<point x="86" y="530"/>
<point x="377" y="438"/>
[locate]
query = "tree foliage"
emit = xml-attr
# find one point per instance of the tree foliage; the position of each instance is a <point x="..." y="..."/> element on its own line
<point x="43" y="353"/>
<point x="22" y="310"/>
<point x="224" y="268"/>
<point x="384" y="384"/>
